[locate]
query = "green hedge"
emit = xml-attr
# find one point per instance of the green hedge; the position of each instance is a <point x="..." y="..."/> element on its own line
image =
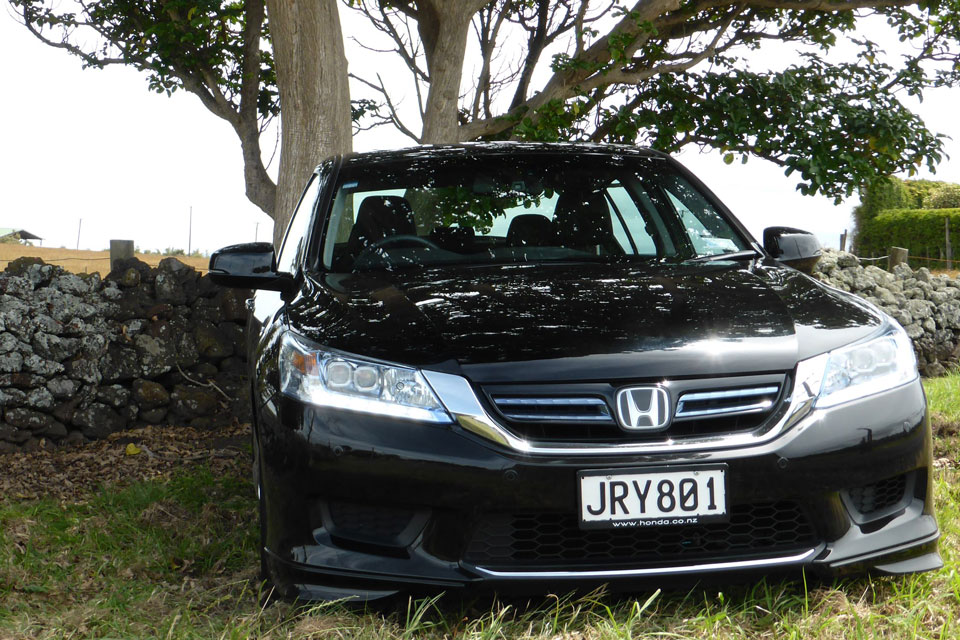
<point x="888" y="193"/>
<point x="946" y="196"/>
<point x="919" y="230"/>
<point x="918" y="191"/>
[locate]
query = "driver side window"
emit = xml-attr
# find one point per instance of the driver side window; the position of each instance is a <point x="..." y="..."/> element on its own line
<point x="299" y="223"/>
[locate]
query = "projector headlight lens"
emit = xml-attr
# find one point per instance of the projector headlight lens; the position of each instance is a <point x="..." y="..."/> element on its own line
<point x="315" y="376"/>
<point x="867" y="368"/>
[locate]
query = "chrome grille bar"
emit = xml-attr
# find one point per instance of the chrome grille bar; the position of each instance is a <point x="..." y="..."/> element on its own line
<point x="727" y="402"/>
<point x="554" y="409"/>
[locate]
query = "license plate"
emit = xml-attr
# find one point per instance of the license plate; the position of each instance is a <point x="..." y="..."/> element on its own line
<point x="652" y="497"/>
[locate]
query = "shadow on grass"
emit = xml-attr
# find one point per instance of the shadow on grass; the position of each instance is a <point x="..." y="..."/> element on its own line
<point x="177" y="558"/>
<point x="779" y="608"/>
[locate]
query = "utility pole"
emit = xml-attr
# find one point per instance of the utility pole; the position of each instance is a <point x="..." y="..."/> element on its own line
<point x="256" y="230"/>
<point x="190" y="234"/>
<point x="78" y="233"/>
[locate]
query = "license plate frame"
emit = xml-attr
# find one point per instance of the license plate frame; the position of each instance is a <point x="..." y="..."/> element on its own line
<point x="646" y="516"/>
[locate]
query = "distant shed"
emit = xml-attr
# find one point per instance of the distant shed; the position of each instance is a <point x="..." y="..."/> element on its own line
<point x="8" y="233"/>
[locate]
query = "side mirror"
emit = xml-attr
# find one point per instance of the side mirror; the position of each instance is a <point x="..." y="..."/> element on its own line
<point x="248" y="266"/>
<point x="793" y="247"/>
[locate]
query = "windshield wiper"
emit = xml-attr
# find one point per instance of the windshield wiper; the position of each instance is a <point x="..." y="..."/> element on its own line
<point x="736" y="255"/>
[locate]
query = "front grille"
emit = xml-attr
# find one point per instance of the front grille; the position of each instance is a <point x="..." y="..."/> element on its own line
<point x="554" y="409"/>
<point x="586" y="412"/>
<point x="727" y="402"/>
<point x="555" y="540"/>
<point x="878" y="496"/>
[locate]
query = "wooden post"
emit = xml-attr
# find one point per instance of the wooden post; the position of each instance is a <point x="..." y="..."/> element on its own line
<point x="843" y="240"/>
<point x="946" y="232"/>
<point x="897" y="255"/>
<point x="120" y="250"/>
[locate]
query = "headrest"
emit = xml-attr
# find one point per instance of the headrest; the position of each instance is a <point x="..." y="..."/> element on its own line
<point x="582" y="219"/>
<point x="531" y="230"/>
<point x="379" y="217"/>
<point x="459" y="239"/>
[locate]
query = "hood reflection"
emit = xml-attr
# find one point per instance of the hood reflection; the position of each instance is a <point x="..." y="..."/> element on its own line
<point x="746" y="318"/>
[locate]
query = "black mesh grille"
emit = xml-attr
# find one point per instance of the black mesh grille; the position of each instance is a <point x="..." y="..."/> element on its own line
<point x="556" y="540"/>
<point x="878" y="496"/>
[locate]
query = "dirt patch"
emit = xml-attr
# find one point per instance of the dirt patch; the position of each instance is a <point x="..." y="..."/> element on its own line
<point x="942" y="427"/>
<point x="323" y="625"/>
<point x="163" y="513"/>
<point x="71" y="474"/>
<point x="946" y="441"/>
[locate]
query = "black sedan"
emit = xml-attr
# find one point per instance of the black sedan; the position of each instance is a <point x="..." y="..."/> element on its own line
<point x="532" y="367"/>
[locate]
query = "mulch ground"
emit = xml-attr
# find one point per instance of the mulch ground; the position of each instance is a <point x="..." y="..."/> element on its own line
<point x="72" y="473"/>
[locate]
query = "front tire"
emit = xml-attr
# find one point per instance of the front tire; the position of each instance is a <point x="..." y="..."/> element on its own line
<point x="266" y="580"/>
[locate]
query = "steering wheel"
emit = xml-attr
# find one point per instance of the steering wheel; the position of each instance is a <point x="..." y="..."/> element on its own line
<point x="369" y="254"/>
<point x="400" y="240"/>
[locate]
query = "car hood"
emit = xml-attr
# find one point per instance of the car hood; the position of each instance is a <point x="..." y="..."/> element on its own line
<point x="584" y="321"/>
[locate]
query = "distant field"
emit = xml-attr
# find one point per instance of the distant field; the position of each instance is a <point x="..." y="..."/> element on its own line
<point x="84" y="261"/>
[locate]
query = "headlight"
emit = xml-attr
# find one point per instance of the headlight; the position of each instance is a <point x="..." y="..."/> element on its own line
<point x="319" y="377"/>
<point x="864" y="369"/>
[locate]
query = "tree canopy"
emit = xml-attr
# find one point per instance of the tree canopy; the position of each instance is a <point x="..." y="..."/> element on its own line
<point x="663" y="73"/>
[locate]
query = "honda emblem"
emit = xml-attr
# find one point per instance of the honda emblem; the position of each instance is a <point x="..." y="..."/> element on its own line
<point x="643" y="408"/>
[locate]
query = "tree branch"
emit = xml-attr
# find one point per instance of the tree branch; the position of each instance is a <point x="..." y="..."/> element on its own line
<point x="487" y="36"/>
<point x="563" y="83"/>
<point x="394" y="115"/>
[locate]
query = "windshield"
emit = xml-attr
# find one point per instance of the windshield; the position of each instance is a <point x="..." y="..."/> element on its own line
<point x="519" y="209"/>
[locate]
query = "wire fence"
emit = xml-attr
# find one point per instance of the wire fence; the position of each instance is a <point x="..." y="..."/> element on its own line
<point x="936" y="264"/>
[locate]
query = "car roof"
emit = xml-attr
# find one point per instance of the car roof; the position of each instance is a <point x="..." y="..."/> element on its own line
<point x="488" y="149"/>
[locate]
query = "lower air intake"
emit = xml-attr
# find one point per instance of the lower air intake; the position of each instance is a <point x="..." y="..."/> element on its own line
<point x="555" y="540"/>
<point x="877" y="497"/>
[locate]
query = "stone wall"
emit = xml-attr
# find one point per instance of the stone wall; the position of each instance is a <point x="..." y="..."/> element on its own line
<point x="927" y="305"/>
<point x="82" y="357"/>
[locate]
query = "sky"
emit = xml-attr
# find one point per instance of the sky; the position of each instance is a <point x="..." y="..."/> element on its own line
<point x="93" y="155"/>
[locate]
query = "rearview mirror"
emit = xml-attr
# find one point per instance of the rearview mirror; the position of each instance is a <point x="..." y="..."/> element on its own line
<point x="248" y="266"/>
<point x="793" y="247"/>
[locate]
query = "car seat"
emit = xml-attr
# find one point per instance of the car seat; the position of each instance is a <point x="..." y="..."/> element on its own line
<point x="582" y="220"/>
<point x="531" y="230"/>
<point x="457" y="239"/>
<point x="377" y="218"/>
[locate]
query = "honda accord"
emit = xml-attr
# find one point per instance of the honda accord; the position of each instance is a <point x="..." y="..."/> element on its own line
<point x="525" y="367"/>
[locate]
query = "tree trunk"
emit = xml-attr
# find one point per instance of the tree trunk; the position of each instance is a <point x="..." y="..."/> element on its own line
<point x="444" y="26"/>
<point x="261" y="189"/>
<point x="314" y="95"/>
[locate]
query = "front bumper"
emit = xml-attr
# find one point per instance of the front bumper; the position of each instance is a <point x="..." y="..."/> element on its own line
<point x="356" y="505"/>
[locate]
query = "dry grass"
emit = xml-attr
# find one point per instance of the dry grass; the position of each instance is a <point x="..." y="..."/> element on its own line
<point x="944" y="272"/>
<point x="84" y="261"/>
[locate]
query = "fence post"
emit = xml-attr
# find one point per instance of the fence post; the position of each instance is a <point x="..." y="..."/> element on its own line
<point x="897" y="255"/>
<point x="946" y="231"/>
<point x="120" y="250"/>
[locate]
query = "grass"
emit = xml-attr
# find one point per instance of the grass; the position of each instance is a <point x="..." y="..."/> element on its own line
<point x="175" y="558"/>
<point x="943" y="397"/>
